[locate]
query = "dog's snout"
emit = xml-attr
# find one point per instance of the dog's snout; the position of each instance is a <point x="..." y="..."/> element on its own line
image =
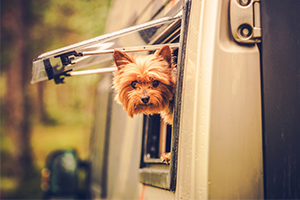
<point x="145" y="99"/>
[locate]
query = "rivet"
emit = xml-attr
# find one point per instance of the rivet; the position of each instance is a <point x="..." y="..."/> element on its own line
<point x="244" y="2"/>
<point x="245" y="31"/>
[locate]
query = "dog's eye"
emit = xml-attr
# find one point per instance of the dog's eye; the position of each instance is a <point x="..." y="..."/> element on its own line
<point x="155" y="83"/>
<point x="133" y="84"/>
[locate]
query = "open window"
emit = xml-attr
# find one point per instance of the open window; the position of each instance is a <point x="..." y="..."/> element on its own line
<point x="95" y="54"/>
<point x="157" y="135"/>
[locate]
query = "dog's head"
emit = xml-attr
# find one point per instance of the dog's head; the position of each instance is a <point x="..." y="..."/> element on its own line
<point x="144" y="84"/>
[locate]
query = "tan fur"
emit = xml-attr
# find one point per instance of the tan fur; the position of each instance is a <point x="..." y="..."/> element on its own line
<point x="136" y="79"/>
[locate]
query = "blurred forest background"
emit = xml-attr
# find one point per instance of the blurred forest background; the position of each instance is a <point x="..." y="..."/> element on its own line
<point x="37" y="119"/>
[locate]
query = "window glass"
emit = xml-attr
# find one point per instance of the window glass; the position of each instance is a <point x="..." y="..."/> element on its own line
<point x="137" y="35"/>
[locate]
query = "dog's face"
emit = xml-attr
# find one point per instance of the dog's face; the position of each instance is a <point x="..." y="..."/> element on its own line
<point x="144" y="84"/>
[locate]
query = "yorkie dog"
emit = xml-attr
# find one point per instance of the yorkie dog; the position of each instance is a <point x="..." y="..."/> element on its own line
<point x="146" y="84"/>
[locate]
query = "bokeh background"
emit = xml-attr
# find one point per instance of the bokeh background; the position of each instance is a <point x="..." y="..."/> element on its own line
<point x="37" y="119"/>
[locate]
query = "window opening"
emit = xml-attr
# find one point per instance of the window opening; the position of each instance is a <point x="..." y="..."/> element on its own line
<point x="158" y="137"/>
<point x="157" y="134"/>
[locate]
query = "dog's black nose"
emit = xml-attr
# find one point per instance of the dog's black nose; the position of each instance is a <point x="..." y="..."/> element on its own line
<point x="145" y="99"/>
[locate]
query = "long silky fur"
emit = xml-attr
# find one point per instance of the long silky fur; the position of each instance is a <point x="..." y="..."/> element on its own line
<point x="145" y="70"/>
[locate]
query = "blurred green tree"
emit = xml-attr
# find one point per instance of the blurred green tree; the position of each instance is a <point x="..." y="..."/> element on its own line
<point x="29" y="28"/>
<point x="15" y="19"/>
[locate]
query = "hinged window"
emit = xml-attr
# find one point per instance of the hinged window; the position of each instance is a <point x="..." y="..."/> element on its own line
<point x="90" y="53"/>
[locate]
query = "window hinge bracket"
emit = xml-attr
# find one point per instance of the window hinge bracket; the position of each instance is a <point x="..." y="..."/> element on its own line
<point x="245" y="21"/>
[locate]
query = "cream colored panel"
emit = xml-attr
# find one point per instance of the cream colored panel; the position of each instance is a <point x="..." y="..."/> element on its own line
<point x="220" y="142"/>
<point x="189" y="157"/>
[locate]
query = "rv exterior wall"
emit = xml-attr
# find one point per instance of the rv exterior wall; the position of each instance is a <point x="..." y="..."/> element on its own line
<point x="220" y="139"/>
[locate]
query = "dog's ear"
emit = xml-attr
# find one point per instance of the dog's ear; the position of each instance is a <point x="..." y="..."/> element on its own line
<point x="166" y="53"/>
<point x="121" y="58"/>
